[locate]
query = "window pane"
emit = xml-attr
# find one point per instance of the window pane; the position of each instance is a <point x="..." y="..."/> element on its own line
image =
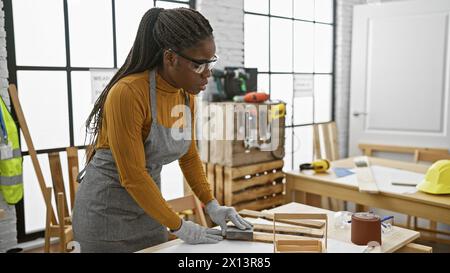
<point x="303" y="145"/>
<point x="90" y="28"/>
<point x="303" y="99"/>
<point x="281" y="8"/>
<point x="280" y="45"/>
<point x="282" y="88"/>
<point x="324" y="11"/>
<point x="256" y="42"/>
<point x="82" y="104"/>
<point x="172" y="181"/>
<point x="304" y="9"/>
<point x="258" y="6"/>
<point x="322" y="98"/>
<point x="303" y="110"/>
<point x="303" y="47"/>
<point x="263" y="83"/>
<point x="39" y="32"/>
<point x="48" y="120"/>
<point x="287" y="149"/>
<point x="323" y="49"/>
<point x="128" y="16"/>
<point x="169" y="5"/>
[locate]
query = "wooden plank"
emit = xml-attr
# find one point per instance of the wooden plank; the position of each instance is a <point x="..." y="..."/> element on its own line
<point x="72" y="163"/>
<point x="316" y="138"/>
<point x="415" y="248"/>
<point x="227" y="186"/>
<point x="26" y="134"/>
<point x="364" y="175"/>
<point x="218" y="174"/>
<point x="57" y="177"/>
<point x="326" y="140"/>
<point x="241" y="184"/>
<point x="256" y="168"/>
<point x="298" y="230"/>
<point x="398" y="149"/>
<point x="256" y="192"/>
<point x="269" y="216"/>
<point x="262" y="203"/>
<point x="334" y="141"/>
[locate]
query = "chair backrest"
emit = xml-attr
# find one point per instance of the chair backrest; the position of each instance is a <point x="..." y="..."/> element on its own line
<point x="429" y="156"/>
<point x="189" y="202"/>
<point x="325" y="141"/>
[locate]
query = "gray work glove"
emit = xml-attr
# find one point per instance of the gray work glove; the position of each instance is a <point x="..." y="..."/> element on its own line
<point x="193" y="233"/>
<point x="221" y="214"/>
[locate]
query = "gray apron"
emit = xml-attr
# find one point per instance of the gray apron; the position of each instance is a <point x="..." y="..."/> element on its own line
<point x="106" y="218"/>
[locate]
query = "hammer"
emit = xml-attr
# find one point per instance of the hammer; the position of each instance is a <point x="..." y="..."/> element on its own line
<point x="234" y="233"/>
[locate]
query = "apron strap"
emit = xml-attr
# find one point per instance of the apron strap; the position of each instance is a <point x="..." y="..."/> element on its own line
<point x="152" y="80"/>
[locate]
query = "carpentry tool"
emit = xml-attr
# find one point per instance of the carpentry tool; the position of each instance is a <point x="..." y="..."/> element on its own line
<point x="233" y="233"/>
<point x="277" y="111"/>
<point x="366" y="180"/>
<point x="319" y="166"/>
<point x="256" y="97"/>
<point x="269" y="216"/>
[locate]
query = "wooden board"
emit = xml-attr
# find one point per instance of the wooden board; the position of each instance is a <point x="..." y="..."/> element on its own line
<point x="366" y="180"/>
<point x="269" y="216"/>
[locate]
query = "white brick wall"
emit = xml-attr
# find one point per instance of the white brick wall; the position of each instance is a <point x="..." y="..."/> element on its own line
<point x="227" y="20"/>
<point x="8" y="233"/>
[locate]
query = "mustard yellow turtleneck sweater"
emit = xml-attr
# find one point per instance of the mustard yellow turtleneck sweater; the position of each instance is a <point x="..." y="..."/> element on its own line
<point x="125" y="126"/>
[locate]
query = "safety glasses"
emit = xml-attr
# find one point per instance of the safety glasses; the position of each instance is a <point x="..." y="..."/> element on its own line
<point x="196" y="65"/>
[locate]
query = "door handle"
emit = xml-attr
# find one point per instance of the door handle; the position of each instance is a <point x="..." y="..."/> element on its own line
<point x="357" y="114"/>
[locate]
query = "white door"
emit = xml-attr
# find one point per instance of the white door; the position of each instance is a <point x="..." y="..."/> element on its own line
<point x="400" y="74"/>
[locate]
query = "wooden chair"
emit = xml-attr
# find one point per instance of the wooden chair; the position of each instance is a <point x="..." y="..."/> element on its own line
<point x="60" y="226"/>
<point x="325" y="146"/>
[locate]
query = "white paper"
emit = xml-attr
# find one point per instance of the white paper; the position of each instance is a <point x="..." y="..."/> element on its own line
<point x="384" y="176"/>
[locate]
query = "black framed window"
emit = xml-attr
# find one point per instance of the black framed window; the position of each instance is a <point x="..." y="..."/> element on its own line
<point x="52" y="47"/>
<point x="292" y="42"/>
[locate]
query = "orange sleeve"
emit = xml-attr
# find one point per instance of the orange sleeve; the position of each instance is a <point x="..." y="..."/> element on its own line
<point x="192" y="167"/>
<point x="125" y="112"/>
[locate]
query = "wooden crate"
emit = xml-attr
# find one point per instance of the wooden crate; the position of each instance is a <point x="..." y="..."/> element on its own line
<point x="232" y="152"/>
<point x="255" y="187"/>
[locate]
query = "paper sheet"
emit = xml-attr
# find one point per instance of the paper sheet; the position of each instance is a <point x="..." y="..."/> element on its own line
<point x="384" y="176"/>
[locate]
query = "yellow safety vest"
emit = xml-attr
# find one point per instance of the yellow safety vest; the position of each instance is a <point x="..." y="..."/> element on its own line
<point x="11" y="181"/>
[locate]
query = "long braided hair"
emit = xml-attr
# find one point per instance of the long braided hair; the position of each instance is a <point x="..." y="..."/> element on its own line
<point x="159" y="29"/>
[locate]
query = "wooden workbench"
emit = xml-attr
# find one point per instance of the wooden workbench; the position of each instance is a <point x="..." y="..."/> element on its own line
<point x="395" y="240"/>
<point x="433" y="207"/>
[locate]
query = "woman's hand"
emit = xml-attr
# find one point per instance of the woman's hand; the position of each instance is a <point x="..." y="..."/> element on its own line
<point x="193" y="233"/>
<point x="221" y="214"/>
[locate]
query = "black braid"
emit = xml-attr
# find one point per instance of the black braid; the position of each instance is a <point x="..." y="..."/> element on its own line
<point x="159" y="29"/>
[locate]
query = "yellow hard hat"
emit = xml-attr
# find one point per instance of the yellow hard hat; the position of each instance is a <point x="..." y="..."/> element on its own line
<point x="437" y="178"/>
